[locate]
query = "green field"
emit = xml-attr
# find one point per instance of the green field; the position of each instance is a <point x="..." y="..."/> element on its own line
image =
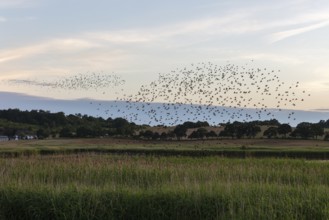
<point x="90" y="185"/>
<point x="236" y="148"/>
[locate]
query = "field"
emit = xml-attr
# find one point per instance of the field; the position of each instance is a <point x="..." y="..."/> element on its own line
<point x="239" y="148"/>
<point x="129" y="179"/>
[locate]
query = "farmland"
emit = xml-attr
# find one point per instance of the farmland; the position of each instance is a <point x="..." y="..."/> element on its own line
<point x="64" y="184"/>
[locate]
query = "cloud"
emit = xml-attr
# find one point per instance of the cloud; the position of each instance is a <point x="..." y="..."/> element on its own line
<point x="31" y="82"/>
<point x="293" y="32"/>
<point x="227" y="24"/>
<point x="17" y="3"/>
<point x="99" y="48"/>
<point x="273" y="58"/>
<point x="115" y="39"/>
<point x="2" y="19"/>
<point x="66" y="45"/>
<point x="171" y="35"/>
<point x="316" y="86"/>
<point x="321" y="109"/>
<point x="121" y="37"/>
<point x="237" y="23"/>
<point x="6" y="58"/>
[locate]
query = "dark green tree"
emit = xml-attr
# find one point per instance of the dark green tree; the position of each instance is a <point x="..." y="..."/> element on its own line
<point x="211" y="134"/>
<point x="148" y="134"/>
<point x="251" y="129"/>
<point x="194" y="135"/>
<point x="317" y="130"/>
<point x="65" y="132"/>
<point x="163" y="136"/>
<point x="180" y="131"/>
<point x="284" y="129"/>
<point x="202" y="132"/>
<point x="271" y="132"/>
<point x="326" y="137"/>
<point x="197" y="124"/>
<point x="123" y="127"/>
<point x="229" y="130"/>
<point x="156" y="136"/>
<point x="43" y="133"/>
<point x="85" y="132"/>
<point x="303" y="130"/>
<point x="171" y="134"/>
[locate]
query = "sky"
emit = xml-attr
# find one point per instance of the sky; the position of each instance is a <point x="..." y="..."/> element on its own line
<point x="137" y="39"/>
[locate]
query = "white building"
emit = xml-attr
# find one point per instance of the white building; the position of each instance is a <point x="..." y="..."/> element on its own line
<point x="4" y="138"/>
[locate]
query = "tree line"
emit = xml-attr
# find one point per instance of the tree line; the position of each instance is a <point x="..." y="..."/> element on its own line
<point x="238" y="130"/>
<point x="44" y="124"/>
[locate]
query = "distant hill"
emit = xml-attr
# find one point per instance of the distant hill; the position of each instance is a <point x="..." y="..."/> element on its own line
<point x="114" y="109"/>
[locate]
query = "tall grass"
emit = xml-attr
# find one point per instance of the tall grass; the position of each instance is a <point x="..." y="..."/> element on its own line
<point x="148" y="187"/>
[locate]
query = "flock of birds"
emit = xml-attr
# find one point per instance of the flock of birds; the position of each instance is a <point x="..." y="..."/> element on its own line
<point x="205" y="91"/>
<point x="82" y="81"/>
<point x="202" y="91"/>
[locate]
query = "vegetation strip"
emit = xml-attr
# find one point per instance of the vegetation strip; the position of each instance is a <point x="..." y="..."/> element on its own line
<point x="237" y="153"/>
<point x="93" y="186"/>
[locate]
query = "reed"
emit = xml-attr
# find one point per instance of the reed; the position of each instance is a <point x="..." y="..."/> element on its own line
<point x="92" y="186"/>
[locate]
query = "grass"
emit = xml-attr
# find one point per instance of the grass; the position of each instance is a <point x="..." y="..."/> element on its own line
<point x="93" y="186"/>
<point x="277" y="148"/>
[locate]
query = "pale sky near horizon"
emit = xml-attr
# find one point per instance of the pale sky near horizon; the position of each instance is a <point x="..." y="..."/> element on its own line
<point x="137" y="39"/>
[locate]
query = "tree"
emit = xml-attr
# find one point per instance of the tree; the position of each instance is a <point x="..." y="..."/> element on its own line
<point x="202" y="132"/>
<point x="324" y="124"/>
<point x="229" y="130"/>
<point x="211" y="134"/>
<point x="240" y="130"/>
<point x="271" y="132"/>
<point x="163" y="136"/>
<point x="235" y="129"/>
<point x="84" y="132"/>
<point x="197" y="124"/>
<point x="251" y="129"/>
<point x="171" y="134"/>
<point x="304" y="130"/>
<point x="194" y="134"/>
<point x="317" y="130"/>
<point x="122" y="126"/>
<point x="10" y="132"/>
<point x="326" y="137"/>
<point x="180" y="131"/>
<point x="43" y="133"/>
<point x="65" y="132"/>
<point x="284" y="129"/>
<point x="148" y="134"/>
<point x="155" y="136"/>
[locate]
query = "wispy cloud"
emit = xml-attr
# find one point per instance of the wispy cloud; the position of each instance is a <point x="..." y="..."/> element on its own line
<point x="297" y="31"/>
<point x="273" y="58"/>
<point x="321" y="109"/>
<point x="58" y="46"/>
<point x="114" y="40"/>
<point x="200" y="26"/>
<point x="31" y="82"/>
<point x="8" y="57"/>
<point x="317" y="86"/>
<point x="237" y="23"/>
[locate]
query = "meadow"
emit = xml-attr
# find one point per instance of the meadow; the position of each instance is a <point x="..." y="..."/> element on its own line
<point x="137" y="186"/>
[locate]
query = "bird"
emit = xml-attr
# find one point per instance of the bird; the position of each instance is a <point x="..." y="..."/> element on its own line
<point x="199" y="91"/>
<point x="203" y="89"/>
